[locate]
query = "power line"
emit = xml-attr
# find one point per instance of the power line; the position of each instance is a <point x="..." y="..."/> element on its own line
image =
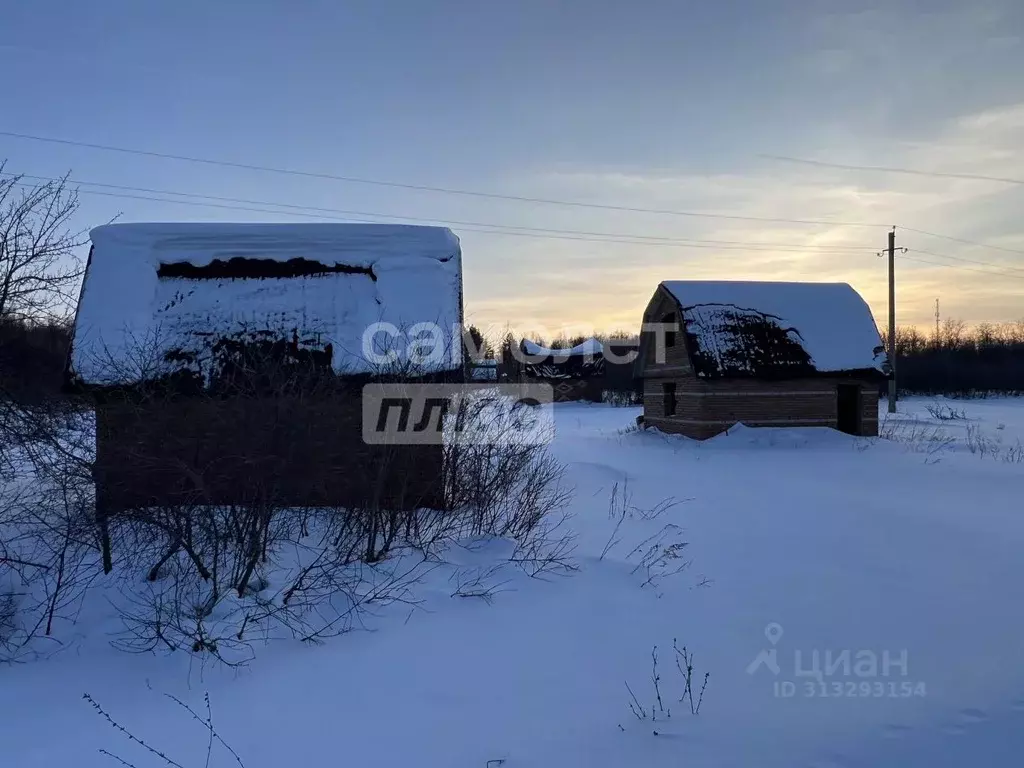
<point x="975" y="177"/>
<point x="891" y="169"/>
<point x="969" y="261"/>
<point x="963" y="241"/>
<point x="307" y="208"/>
<point x="515" y="198"/>
<point x="957" y="266"/>
<point x="500" y="229"/>
<point x="429" y="188"/>
<point x="495" y="229"/>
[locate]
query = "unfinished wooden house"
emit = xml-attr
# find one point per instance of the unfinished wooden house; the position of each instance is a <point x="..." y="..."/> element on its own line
<point x="763" y="354"/>
<point x="227" y="360"/>
<point x="576" y="373"/>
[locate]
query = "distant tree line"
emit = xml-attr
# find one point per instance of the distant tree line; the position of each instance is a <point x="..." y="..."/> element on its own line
<point x="961" y="361"/>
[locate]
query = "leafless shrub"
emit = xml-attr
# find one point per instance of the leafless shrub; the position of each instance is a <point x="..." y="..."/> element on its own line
<point x="657" y="711"/>
<point x="916" y="436"/>
<point x="684" y="663"/>
<point x="933" y="440"/>
<point x="332" y="565"/>
<point x="8" y="616"/>
<point x="621" y="508"/>
<point x="635" y="706"/>
<point x="47" y="539"/>
<point x="195" y="574"/>
<point x="946" y="413"/>
<point x="505" y="486"/>
<point x="983" y="445"/>
<point x="481" y="582"/>
<point x="1014" y="454"/>
<point x="548" y="550"/>
<point x="355" y="592"/>
<point x="659" y="556"/>
<point x="980" y="443"/>
<point x="158" y="755"/>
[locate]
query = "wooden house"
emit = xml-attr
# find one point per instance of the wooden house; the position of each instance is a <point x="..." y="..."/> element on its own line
<point x="764" y="354"/>
<point x="576" y="373"/>
<point x="227" y="360"/>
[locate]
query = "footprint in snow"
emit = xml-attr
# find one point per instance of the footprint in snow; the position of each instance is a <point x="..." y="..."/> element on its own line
<point x="1018" y="705"/>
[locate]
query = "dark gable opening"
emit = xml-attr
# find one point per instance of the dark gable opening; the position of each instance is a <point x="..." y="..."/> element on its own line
<point x="669" y="321"/>
<point x="241" y="267"/>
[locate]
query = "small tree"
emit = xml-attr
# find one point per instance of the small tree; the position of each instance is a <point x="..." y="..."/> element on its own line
<point x="480" y="348"/>
<point x="39" y="269"/>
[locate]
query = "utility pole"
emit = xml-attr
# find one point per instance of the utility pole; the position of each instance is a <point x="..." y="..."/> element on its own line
<point x="892" y="321"/>
<point x="891" y="250"/>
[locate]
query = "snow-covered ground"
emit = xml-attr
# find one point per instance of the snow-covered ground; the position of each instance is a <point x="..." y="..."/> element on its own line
<point x="896" y="565"/>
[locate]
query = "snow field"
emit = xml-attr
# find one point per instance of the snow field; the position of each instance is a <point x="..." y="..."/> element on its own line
<point x="873" y="547"/>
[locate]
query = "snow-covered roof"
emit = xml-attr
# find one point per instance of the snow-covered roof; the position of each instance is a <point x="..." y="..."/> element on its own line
<point x="761" y="328"/>
<point x="588" y="347"/>
<point x="170" y="288"/>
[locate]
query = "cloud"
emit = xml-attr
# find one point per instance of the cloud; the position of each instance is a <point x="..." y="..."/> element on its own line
<point x="609" y="284"/>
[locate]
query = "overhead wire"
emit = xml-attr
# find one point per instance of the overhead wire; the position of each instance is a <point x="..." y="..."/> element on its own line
<point x="958" y="266"/>
<point x="452" y="222"/>
<point x="431" y="188"/>
<point x="969" y="261"/>
<point x="964" y="241"/>
<point x="893" y="169"/>
<point x="494" y="229"/>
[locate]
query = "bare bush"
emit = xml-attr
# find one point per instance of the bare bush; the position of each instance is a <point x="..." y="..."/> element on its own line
<point x="159" y="756"/>
<point x="657" y="711"/>
<point x="199" y="572"/>
<point x="980" y="443"/>
<point x="916" y="436"/>
<point x="657" y="556"/>
<point x="660" y="556"/>
<point x="480" y="582"/>
<point x="506" y="484"/>
<point x="621" y="508"/>
<point x="47" y="537"/>
<point x="684" y="663"/>
<point x="983" y="445"/>
<point x="1014" y="454"/>
<point x="933" y="440"/>
<point x="946" y="413"/>
<point x="218" y="578"/>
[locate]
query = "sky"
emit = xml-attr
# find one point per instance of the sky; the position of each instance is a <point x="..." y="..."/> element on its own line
<point x="672" y="106"/>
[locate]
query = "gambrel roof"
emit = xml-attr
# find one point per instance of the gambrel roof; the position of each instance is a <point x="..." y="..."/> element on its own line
<point x="776" y="329"/>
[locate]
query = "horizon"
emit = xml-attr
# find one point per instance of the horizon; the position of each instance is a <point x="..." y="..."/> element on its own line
<point x="589" y="155"/>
